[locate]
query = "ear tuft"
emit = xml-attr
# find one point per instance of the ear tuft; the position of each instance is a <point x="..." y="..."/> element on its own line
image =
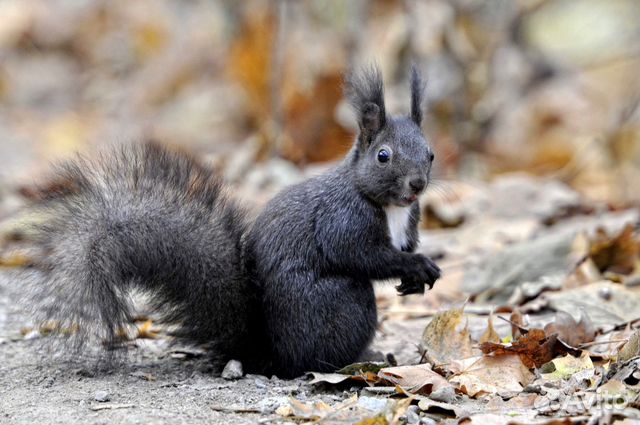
<point x="370" y="118"/>
<point x="417" y="93"/>
<point x="365" y="92"/>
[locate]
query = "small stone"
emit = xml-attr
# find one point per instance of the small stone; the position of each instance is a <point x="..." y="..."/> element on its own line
<point x="444" y="395"/>
<point x="233" y="370"/>
<point x="412" y="417"/>
<point x="604" y="293"/>
<point x="427" y="421"/>
<point x="373" y="404"/>
<point x="34" y="334"/>
<point x="102" y="396"/>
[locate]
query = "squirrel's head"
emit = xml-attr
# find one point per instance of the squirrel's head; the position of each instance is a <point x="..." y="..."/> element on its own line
<point x="391" y="157"/>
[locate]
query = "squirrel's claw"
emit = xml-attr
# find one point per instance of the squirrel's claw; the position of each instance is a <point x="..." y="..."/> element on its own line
<point x="410" y="286"/>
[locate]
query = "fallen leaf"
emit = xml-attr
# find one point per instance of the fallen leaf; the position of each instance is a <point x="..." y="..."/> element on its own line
<point x="567" y="366"/>
<point x="337" y="378"/>
<point x="417" y="379"/>
<point x="428" y="405"/>
<point x="490" y="335"/>
<point x="570" y="332"/>
<point x="313" y="410"/>
<point x="504" y="374"/>
<point x="378" y="420"/>
<point x="363" y="410"/>
<point x="616" y="254"/>
<point x="517" y="324"/>
<point x="631" y="349"/>
<point x="607" y="303"/>
<point x="442" y="339"/>
<point x="362" y="367"/>
<point x="535" y="348"/>
<point x="614" y="392"/>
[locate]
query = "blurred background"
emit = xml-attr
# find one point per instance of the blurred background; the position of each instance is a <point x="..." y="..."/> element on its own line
<point x="533" y="109"/>
<point x="548" y="87"/>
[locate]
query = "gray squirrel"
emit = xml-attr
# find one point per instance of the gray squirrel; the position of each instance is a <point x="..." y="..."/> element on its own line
<point x="289" y="293"/>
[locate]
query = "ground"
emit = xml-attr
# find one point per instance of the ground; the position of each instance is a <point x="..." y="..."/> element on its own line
<point x="534" y="320"/>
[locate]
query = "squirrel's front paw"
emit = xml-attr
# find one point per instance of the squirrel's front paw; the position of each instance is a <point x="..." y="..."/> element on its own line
<point x="429" y="271"/>
<point x="410" y="285"/>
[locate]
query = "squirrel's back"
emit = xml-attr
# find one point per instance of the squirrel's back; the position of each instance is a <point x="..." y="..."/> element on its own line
<point x="148" y="218"/>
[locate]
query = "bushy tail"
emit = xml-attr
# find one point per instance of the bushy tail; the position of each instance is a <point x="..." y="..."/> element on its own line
<point x="149" y="219"/>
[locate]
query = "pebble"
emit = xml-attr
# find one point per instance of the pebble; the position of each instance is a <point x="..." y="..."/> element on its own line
<point x="102" y="396"/>
<point x="412" y="416"/>
<point x="34" y="334"/>
<point x="444" y="395"/>
<point x="233" y="370"/>
<point x="605" y="293"/>
<point x="373" y="404"/>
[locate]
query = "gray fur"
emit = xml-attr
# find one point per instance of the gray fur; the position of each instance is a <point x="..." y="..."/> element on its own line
<point x="289" y="294"/>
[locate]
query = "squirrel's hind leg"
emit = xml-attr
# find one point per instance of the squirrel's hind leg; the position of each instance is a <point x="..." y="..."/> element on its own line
<point x="327" y="326"/>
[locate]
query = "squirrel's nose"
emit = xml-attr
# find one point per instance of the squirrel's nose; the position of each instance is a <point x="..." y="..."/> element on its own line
<point x="417" y="184"/>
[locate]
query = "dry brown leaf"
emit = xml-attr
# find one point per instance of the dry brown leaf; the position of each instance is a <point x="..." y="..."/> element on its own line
<point x="442" y="339"/>
<point x="378" y="420"/>
<point x="631" y="349"/>
<point x="426" y="404"/>
<point x="352" y="410"/>
<point x="337" y="378"/>
<point x="312" y="410"/>
<point x="517" y="324"/>
<point x="570" y="332"/>
<point x="492" y="375"/>
<point x="586" y="272"/>
<point x="521" y="403"/>
<point x="606" y="303"/>
<point x="416" y="379"/>
<point x="535" y="348"/>
<point x="567" y="366"/>
<point x="617" y="254"/>
<point x="490" y="335"/>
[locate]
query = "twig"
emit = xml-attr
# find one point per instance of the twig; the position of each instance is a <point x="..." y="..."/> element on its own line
<point x="612" y="341"/>
<point x="111" y="406"/>
<point x="232" y="409"/>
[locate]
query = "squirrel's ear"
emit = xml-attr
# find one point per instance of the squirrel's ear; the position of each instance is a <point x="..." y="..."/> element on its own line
<point x="417" y="93"/>
<point x="365" y="92"/>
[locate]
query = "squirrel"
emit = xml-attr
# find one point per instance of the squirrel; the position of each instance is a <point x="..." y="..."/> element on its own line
<point x="289" y="293"/>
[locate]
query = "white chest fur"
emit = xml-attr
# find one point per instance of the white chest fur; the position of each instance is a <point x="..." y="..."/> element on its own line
<point x="398" y="222"/>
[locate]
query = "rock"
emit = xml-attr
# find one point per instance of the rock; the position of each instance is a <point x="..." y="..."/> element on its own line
<point x="412" y="415"/>
<point x="233" y="370"/>
<point x="260" y="383"/>
<point x="373" y="404"/>
<point x="102" y="396"/>
<point x="444" y="394"/>
<point x="33" y="334"/>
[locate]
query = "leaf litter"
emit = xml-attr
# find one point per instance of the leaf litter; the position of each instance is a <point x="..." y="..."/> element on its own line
<point x="569" y="353"/>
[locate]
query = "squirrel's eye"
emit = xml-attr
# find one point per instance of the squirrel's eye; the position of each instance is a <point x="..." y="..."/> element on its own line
<point x="431" y="156"/>
<point x="383" y="155"/>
